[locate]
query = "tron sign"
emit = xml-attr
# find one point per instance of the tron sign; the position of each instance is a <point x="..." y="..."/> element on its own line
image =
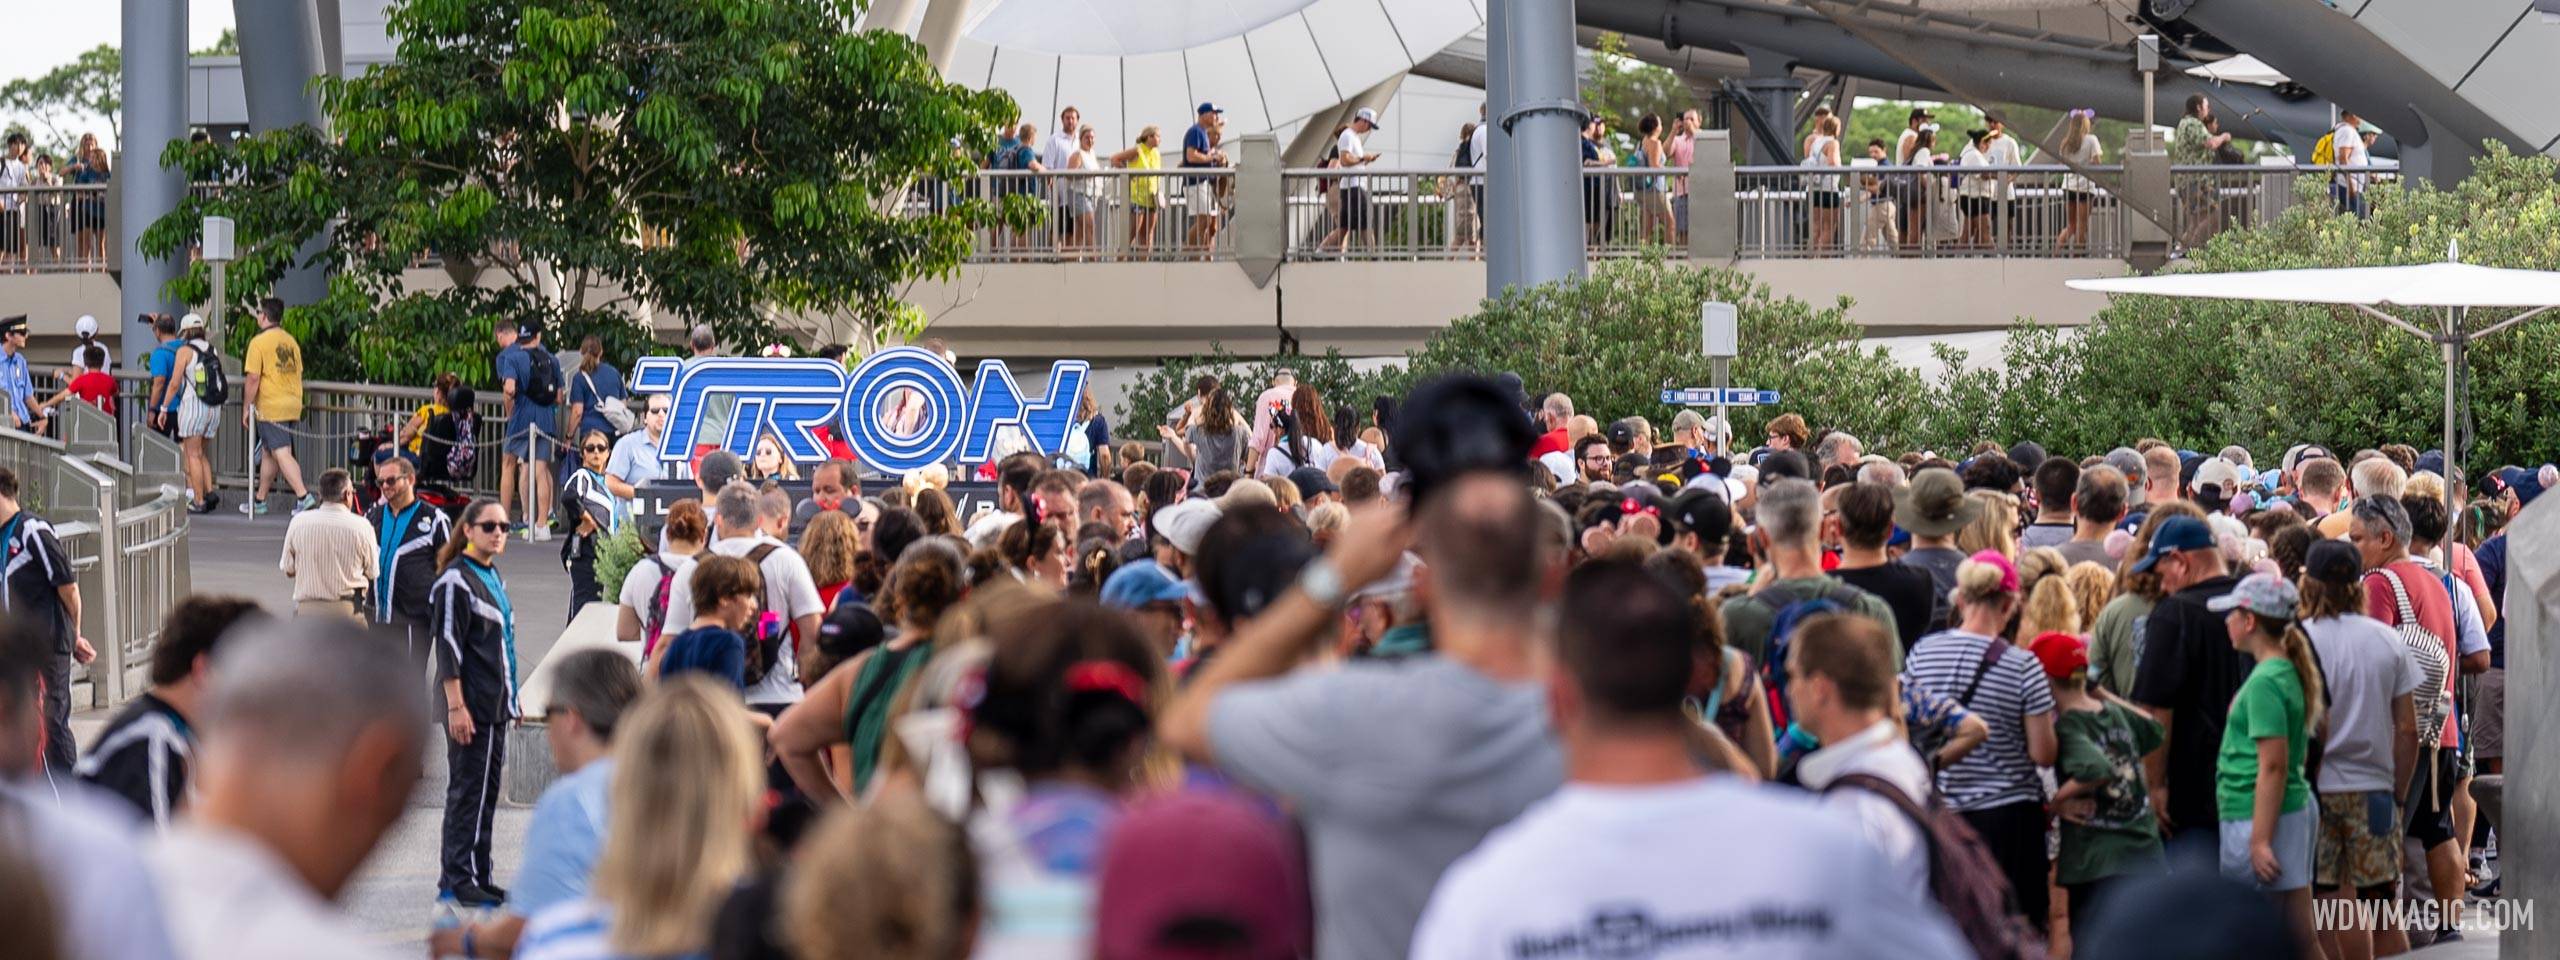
<point x="889" y="428"/>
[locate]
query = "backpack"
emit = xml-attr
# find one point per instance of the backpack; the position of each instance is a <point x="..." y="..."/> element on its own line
<point x="2325" y="152"/>
<point x="1077" y="452"/>
<point x="1963" y="876"/>
<point x="655" y="622"/>
<point x="213" y="387"/>
<point x="542" y="384"/>
<point x="1791" y="610"/>
<point x="461" y="455"/>
<point x="2432" y="662"/>
<point x="766" y="631"/>
<point x="616" y="413"/>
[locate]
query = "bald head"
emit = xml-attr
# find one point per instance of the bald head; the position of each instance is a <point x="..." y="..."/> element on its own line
<point x="301" y="690"/>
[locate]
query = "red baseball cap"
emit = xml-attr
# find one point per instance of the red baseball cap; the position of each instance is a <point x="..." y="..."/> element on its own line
<point x="1201" y="874"/>
<point x="2061" y="653"/>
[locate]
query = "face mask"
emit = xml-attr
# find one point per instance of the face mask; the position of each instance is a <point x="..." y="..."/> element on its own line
<point x="827" y="503"/>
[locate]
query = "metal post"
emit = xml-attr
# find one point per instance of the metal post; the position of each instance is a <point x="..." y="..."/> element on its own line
<point x="1720" y="337"/>
<point x="1501" y="207"/>
<point x="155" y="115"/>
<point x="279" y="55"/>
<point x="2456" y="348"/>
<point x="1720" y="376"/>
<point x="1543" y="115"/>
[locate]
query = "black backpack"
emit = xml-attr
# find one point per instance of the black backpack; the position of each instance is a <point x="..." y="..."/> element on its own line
<point x="542" y="385"/>
<point x="766" y="630"/>
<point x="212" y="385"/>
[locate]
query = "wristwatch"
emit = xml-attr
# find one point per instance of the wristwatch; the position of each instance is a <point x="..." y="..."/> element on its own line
<point x="1322" y="584"/>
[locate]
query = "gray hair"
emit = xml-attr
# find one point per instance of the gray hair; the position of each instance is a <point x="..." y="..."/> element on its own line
<point x="2383" y="514"/>
<point x="2375" y="478"/>
<point x="597" y="685"/>
<point x="703" y="338"/>
<point x="1885" y="472"/>
<point x="773" y="503"/>
<point x="304" y="689"/>
<point x="1828" y="451"/>
<point x="735" y="506"/>
<point x="1558" y="406"/>
<point x="332" y="486"/>
<point x="1790" y="510"/>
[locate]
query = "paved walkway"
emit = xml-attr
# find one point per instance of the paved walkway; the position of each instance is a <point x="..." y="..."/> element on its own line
<point x="394" y="895"/>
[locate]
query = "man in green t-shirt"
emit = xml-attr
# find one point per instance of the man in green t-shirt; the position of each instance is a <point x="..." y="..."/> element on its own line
<point x="1790" y="572"/>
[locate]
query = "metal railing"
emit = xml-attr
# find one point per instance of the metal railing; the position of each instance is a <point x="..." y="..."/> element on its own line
<point x="1931" y="211"/>
<point x="1379" y="214"/>
<point x="2211" y="199"/>
<point x="336" y="419"/>
<point x="54" y="229"/>
<point x="1103" y="215"/>
<point x="126" y="537"/>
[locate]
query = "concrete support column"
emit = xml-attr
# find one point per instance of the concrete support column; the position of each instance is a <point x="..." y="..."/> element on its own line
<point x="941" y="31"/>
<point x="1501" y="211"/>
<point x="280" y="52"/>
<point x="155" y="116"/>
<point x="2529" y="824"/>
<point x="891" y="15"/>
<point x="1713" y="213"/>
<point x="1544" y="170"/>
<point x="2146" y="182"/>
<point x="1774" y="91"/>
<point x="1261" y="228"/>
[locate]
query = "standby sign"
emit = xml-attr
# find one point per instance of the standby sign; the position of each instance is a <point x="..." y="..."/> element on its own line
<point x="901" y="409"/>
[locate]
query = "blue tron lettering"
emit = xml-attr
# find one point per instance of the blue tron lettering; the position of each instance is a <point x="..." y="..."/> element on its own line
<point x="731" y="400"/>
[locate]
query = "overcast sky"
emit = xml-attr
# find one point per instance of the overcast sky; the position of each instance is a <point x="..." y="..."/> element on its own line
<point x="44" y="34"/>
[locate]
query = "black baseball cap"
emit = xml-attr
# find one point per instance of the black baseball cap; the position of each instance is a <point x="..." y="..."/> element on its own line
<point x="2333" y="562"/>
<point x="1704" y="513"/>
<point x="1311" y="481"/>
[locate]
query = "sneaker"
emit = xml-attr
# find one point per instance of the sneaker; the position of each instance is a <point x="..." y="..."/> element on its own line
<point x="542" y="534"/>
<point x="307" y="502"/>
<point x="254" y="508"/>
<point x="212" y="502"/>
<point x="475" y="895"/>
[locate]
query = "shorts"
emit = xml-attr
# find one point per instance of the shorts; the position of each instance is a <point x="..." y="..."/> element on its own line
<point x="1084" y="204"/>
<point x="521" y="436"/>
<point x="1825" y="200"/>
<point x="271" y="434"/>
<point x="2359" y="842"/>
<point x="1201" y="199"/>
<point x="2489" y="715"/>
<point x="2080" y="196"/>
<point x="2430" y="802"/>
<point x="1679" y="211"/>
<point x="198" y="420"/>
<point x="2293" y="851"/>
<point x="1974" y="206"/>
<point x="1355" y="209"/>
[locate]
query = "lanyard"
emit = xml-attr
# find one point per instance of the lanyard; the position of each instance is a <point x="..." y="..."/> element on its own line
<point x="394" y="530"/>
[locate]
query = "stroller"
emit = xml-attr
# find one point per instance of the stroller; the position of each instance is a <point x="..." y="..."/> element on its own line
<point x="369" y="447"/>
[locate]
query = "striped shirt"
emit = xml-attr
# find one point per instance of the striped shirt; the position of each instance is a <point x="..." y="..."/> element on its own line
<point x="143" y="757"/>
<point x="1997" y="773"/>
<point x="577" y="930"/>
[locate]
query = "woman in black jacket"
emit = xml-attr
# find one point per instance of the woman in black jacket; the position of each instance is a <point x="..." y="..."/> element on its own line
<point x="474" y="627"/>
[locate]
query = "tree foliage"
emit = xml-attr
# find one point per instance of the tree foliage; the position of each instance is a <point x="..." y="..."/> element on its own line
<point x="1622" y="89"/>
<point x="592" y="165"/>
<point x="67" y="101"/>
<point x="1169" y="384"/>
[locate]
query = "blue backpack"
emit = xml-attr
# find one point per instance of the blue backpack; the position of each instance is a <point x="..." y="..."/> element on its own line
<point x="1791" y="611"/>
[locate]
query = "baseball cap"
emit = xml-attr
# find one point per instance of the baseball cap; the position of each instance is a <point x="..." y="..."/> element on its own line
<point x="1368" y="115"/>
<point x="1622" y="433"/>
<point x="2175" y="534"/>
<point x="1207" y="107"/>
<point x="2525" y="481"/>
<point x="2333" y="562"/>
<point x="2062" y="654"/>
<point x="2431" y="461"/>
<point x="2218" y="472"/>
<point x="1183" y="524"/>
<point x="191" y="322"/>
<point x="1702" y="512"/>
<point x="850" y="628"/>
<point x="2028" y="455"/>
<point x="2127" y="461"/>
<point x="16" y="324"/>
<point x="1135" y="586"/>
<point x="86" y="326"/>
<point x="1199" y="860"/>
<point x="1922" y="113"/>
<point x="1248" y="492"/>
<point x="2264" y="594"/>
<point x="1311" y="481"/>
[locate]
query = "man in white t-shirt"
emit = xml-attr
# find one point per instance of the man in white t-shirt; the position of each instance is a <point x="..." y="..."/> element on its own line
<point x="1055" y="154"/>
<point x="1350" y="150"/>
<point x="788" y="590"/>
<point x="2347" y="149"/>
<point x="1641" y="852"/>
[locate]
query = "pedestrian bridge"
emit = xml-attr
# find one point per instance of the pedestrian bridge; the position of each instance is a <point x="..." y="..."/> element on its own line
<point x="1135" y="265"/>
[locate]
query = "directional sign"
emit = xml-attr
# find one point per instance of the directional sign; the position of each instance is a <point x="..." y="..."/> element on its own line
<point x="1708" y="397"/>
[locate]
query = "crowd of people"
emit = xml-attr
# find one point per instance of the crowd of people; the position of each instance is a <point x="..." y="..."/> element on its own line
<point x="1469" y="674"/>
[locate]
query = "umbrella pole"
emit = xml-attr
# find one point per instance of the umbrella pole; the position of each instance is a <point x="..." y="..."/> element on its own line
<point x="2455" y="355"/>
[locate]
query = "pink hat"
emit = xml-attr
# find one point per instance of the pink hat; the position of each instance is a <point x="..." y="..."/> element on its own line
<point x="2008" y="571"/>
<point x="1201" y="874"/>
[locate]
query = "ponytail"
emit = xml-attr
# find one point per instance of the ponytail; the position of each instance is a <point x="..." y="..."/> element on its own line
<point x="2297" y="648"/>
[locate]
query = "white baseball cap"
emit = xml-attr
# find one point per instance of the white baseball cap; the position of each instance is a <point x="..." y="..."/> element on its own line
<point x="1368" y="115"/>
<point x="1183" y="524"/>
<point x="87" y="326"/>
<point x="191" y="322"/>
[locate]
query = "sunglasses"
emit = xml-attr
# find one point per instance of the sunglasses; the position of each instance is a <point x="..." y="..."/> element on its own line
<point x="490" y="526"/>
<point x="390" y="478"/>
<point x="598" y="448"/>
<point x="657" y="411"/>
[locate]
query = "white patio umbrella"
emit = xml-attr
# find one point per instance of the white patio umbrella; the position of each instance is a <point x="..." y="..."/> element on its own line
<point x="1120" y="28"/>
<point x="2452" y="287"/>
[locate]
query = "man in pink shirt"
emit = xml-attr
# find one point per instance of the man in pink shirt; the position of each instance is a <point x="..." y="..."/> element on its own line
<point x="1284" y="383"/>
<point x="1683" y="152"/>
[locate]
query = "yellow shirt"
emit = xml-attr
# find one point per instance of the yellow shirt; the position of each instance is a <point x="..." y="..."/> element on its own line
<point x="276" y="360"/>
<point x="427" y="413"/>
<point x="1142" y="190"/>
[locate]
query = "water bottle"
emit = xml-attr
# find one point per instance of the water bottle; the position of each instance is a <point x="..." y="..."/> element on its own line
<point x="447" y="916"/>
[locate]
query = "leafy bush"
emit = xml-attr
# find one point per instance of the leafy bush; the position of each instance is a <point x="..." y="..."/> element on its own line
<point x="1169" y="385"/>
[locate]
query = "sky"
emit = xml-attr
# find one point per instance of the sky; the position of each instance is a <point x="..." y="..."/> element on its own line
<point x="43" y="34"/>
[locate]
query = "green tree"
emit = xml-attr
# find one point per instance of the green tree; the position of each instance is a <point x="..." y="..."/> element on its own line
<point x="226" y="45"/>
<point x="587" y="164"/>
<point x="69" y="100"/>
<point x="1622" y="89"/>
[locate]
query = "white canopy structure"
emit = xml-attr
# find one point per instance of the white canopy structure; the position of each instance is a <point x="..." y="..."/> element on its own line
<point x="1120" y="28"/>
<point x="2453" y="287"/>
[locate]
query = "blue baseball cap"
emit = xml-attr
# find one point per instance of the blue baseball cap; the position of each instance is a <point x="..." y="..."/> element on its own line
<point x="1139" y="584"/>
<point x="2175" y="534"/>
<point x="1207" y="107"/>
